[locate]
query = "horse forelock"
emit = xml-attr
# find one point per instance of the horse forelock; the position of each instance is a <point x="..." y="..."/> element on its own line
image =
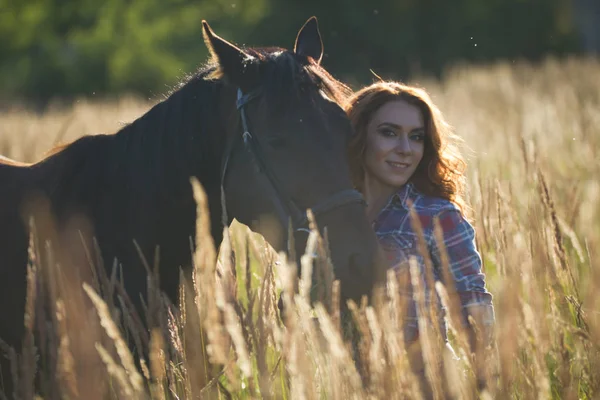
<point x="286" y="76"/>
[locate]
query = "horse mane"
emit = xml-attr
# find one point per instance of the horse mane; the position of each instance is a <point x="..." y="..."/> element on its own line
<point x="155" y="154"/>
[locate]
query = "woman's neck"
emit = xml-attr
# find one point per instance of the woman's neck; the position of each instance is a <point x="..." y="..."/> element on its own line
<point x="377" y="196"/>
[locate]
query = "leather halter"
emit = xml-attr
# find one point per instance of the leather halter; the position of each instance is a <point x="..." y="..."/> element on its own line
<point x="285" y="206"/>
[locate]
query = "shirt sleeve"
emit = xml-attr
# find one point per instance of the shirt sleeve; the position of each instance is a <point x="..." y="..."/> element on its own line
<point x="465" y="265"/>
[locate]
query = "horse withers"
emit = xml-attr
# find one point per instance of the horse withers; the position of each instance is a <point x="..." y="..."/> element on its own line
<point x="260" y="128"/>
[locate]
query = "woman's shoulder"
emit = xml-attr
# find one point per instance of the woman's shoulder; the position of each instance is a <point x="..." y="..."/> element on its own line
<point x="428" y="209"/>
<point x="425" y="204"/>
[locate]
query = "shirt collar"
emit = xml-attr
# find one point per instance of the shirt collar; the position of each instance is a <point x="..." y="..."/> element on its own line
<point x="406" y="192"/>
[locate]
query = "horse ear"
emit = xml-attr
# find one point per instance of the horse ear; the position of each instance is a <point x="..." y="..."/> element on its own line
<point x="235" y="64"/>
<point x="308" y="41"/>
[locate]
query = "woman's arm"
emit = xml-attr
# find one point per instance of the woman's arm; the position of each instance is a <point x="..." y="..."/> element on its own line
<point x="464" y="265"/>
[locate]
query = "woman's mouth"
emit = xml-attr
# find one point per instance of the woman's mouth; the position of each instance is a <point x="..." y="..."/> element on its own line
<point x="399" y="165"/>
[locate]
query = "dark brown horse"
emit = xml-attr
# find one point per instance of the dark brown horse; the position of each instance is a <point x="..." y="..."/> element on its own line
<point x="261" y="126"/>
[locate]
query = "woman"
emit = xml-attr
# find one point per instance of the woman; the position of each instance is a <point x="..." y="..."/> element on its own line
<point x="401" y="158"/>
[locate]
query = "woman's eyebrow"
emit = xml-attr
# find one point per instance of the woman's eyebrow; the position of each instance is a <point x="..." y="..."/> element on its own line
<point x="419" y="129"/>
<point x="391" y="125"/>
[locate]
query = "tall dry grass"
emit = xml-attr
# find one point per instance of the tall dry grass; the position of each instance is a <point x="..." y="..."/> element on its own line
<point x="530" y="134"/>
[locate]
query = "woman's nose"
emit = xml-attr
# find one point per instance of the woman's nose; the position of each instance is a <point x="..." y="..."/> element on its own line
<point x="403" y="146"/>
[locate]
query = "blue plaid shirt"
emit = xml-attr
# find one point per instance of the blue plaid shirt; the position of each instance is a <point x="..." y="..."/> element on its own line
<point x="399" y="242"/>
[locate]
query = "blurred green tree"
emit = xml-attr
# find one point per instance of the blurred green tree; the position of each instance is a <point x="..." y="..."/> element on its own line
<point x="65" y="48"/>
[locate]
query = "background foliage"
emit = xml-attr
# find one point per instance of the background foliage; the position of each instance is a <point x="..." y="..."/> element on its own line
<point x="58" y="48"/>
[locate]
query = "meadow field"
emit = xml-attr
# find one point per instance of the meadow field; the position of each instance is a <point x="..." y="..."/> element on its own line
<point x="530" y="135"/>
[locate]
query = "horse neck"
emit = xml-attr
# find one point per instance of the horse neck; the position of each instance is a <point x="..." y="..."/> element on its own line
<point x="178" y="138"/>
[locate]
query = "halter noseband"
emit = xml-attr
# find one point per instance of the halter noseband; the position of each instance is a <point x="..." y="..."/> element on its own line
<point x="285" y="206"/>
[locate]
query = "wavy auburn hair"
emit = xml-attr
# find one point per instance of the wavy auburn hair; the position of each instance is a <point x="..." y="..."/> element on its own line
<point x="441" y="170"/>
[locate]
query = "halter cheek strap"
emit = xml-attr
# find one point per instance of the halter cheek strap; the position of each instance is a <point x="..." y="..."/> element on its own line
<point x="285" y="206"/>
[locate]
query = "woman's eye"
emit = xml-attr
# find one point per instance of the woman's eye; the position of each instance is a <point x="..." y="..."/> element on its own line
<point x="387" y="132"/>
<point x="419" y="137"/>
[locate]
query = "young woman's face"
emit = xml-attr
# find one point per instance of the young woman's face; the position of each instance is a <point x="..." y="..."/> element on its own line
<point x="395" y="144"/>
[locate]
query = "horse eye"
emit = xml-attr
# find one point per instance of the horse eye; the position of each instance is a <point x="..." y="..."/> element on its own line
<point x="276" y="142"/>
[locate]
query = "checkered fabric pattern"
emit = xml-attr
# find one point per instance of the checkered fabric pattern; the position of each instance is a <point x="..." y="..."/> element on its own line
<point x="400" y="242"/>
